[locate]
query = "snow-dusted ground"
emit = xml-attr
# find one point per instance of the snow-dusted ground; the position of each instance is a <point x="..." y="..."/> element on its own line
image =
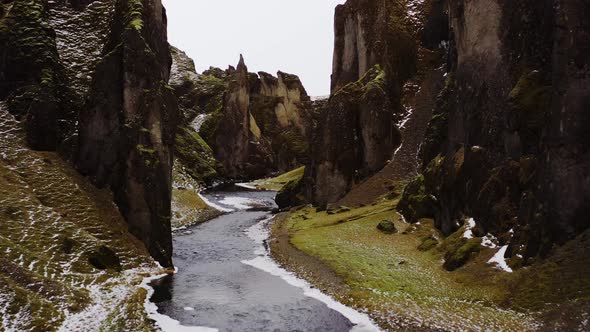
<point x="259" y="233"/>
<point x="106" y="297"/>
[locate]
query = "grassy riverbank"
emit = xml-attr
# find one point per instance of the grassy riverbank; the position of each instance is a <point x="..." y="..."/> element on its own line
<point x="399" y="285"/>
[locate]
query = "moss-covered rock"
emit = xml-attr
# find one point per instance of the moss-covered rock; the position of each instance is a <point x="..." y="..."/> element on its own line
<point x="354" y="138"/>
<point x="428" y="243"/>
<point x="291" y="194"/>
<point x="195" y="156"/>
<point x="437" y="131"/>
<point x="416" y="203"/>
<point x="459" y="254"/>
<point x="387" y="227"/>
<point x="530" y="101"/>
<point x="130" y="105"/>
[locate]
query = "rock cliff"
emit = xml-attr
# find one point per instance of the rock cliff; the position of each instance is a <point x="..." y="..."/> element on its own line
<point x="256" y="124"/>
<point x="384" y="52"/>
<point x="507" y="145"/>
<point x="31" y="75"/>
<point x="127" y="127"/>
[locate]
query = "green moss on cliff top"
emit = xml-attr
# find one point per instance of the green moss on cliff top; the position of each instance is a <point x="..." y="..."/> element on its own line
<point x="195" y="157"/>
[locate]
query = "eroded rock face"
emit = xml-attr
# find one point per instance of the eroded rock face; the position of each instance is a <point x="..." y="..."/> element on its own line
<point x="355" y="137"/>
<point x="127" y="128"/>
<point x="259" y="127"/>
<point x="377" y="50"/>
<point x="282" y="109"/>
<point x="513" y="152"/>
<point x="31" y="75"/>
<point x="233" y="135"/>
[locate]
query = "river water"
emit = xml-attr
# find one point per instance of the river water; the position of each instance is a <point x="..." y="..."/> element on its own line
<point x="227" y="281"/>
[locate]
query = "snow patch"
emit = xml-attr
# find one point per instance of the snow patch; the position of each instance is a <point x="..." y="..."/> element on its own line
<point x="246" y="185"/>
<point x="213" y="205"/>
<point x="198" y="121"/>
<point x="489" y="241"/>
<point x="240" y="203"/>
<point x="468" y="234"/>
<point x="499" y="260"/>
<point x="259" y="233"/>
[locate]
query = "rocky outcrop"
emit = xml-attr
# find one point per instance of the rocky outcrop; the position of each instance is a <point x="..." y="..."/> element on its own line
<point x="354" y="138"/>
<point x="384" y="51"/>
<point x="281" y="107"/>
<point x="507" y="144"/>
<point x="127" y="128"/>
<point x="232" y="137"/>
<point x="256" y="123"/>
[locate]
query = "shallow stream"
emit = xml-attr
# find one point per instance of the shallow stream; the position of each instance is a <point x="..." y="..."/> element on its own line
<point x="227" y="281"/>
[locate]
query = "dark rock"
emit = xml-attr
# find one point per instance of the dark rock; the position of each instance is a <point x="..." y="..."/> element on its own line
<point x="459" y="255"/>
<point x="32" y="77"/>
<point x="127" y="128"/>
<point x="387" y="227"/>
<point x="291" y="194"/>
<point x="416" y="203"/>
<point x="354" y="138"/>
<point x="104" y="258"/>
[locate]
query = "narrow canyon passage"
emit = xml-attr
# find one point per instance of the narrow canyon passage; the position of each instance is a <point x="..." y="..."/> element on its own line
<point x="216" y="287"/>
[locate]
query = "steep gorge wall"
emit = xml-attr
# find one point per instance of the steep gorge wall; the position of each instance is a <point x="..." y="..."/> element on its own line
<point x="508" y="143"/>
<point x="127" y="128"/>
<point x="382" y="50"/>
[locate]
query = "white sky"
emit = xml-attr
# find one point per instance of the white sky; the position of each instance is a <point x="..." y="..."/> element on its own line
<point x="295" y="36"/>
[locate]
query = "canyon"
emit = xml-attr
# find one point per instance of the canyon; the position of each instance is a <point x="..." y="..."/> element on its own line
<point x="441" y="186"/>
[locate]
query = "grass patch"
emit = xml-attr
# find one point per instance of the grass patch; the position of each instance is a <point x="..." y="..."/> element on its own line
<point x="399" y="285"/>
<point x="277" y="183"/>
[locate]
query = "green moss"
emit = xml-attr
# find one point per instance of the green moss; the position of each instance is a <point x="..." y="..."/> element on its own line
<point x="135" y="15"/>
<point x="387" y="227"/>
<point x="458" y="256"/>
<point x="291" y="194"/>
<point x="416" y="203"/>
<point x="195" y="156"/>
<point x="280" y="181"/>
<point x="428" y="243"/>
<point x="392" y="280"/>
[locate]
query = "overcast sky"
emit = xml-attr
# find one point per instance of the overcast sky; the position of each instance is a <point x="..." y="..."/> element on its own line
<point x="295" y="36"/>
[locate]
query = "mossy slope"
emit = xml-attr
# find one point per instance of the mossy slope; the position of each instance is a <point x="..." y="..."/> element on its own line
<point x="65" y="251"/>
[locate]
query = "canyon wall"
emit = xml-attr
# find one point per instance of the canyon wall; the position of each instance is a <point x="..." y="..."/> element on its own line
<point x="507" y="145"/>
<point x="383" y="52"/>
<point x="127" y="127"/>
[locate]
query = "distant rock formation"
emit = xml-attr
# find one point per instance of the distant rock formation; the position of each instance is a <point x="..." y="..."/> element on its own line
<point x="256" y="124"/>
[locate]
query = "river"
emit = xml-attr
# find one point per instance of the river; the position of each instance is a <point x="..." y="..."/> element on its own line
<point x="227" y="281"/>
